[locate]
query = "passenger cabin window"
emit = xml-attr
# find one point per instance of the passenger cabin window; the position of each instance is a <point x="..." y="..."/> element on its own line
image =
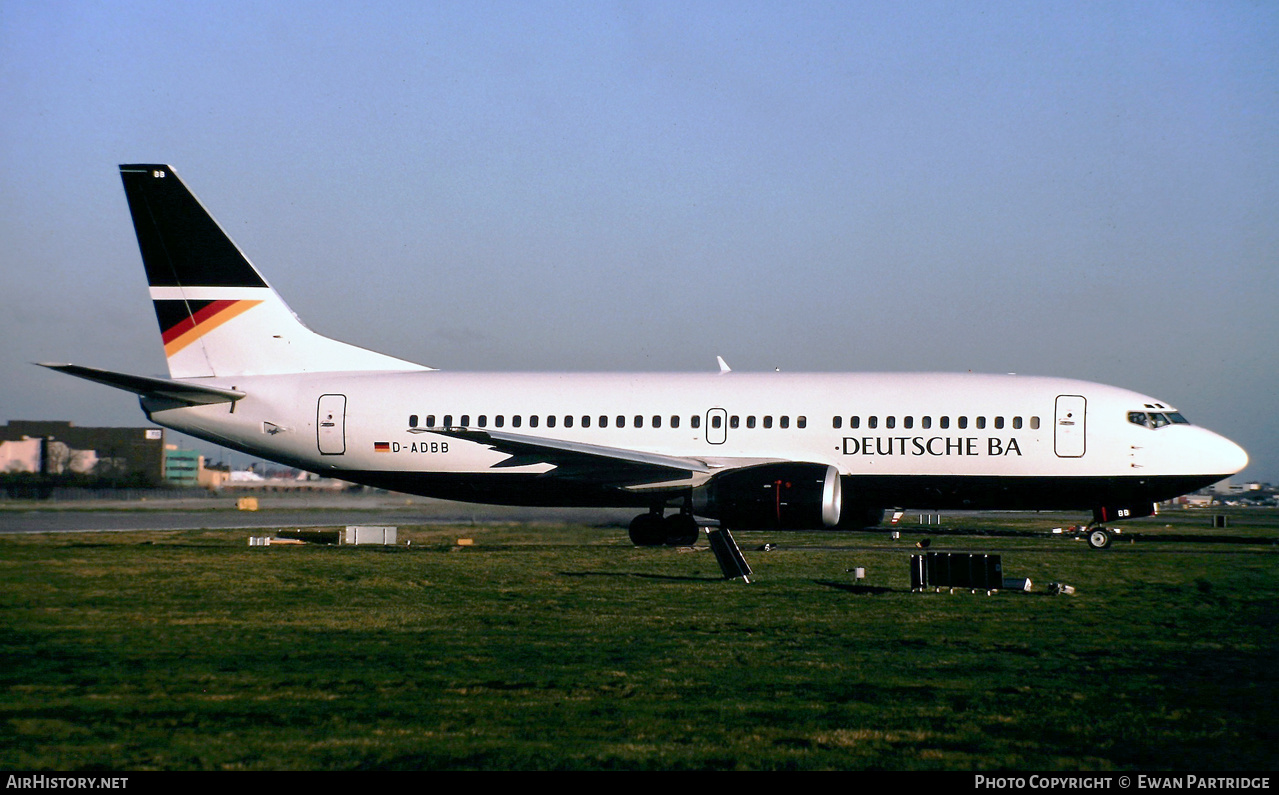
<point x="695" y="421"/>
<point x="768" y="421"/>
<point x="412" y="420"/>
<point x="837" y="422"/>
<point x="785" y="422"/>
<point x="801" y="422"/>
<point x="674" y="420"/>
<point x="925" y="422"/>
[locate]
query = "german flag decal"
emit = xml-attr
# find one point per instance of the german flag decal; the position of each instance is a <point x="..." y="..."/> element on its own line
<point x="184" y="322"/>
<point x="381" y="447"/>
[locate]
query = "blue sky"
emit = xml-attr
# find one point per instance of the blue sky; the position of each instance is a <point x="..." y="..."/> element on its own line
<point x="1077" y="189"/>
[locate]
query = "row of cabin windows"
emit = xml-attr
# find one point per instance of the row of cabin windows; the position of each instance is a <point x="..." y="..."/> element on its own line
<point x="717" y="421"/>
<point x="766" y="421"/>
<point x="603" y="421"/>
<point x="927" y="422"/>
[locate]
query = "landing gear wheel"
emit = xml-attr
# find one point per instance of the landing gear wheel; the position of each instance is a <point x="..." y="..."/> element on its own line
<point x="648" y="530"/>
<point x="681" y="530"/>
<point x="1099" y="538"/>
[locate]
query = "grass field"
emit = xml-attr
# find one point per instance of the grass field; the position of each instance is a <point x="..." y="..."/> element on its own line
<point x="564" y="647"/>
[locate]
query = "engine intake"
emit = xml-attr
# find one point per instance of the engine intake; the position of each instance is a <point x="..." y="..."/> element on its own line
<point x="773" y="496"/>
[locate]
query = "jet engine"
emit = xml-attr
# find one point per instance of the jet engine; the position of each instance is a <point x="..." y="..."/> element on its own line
<point x="789" y="496"/>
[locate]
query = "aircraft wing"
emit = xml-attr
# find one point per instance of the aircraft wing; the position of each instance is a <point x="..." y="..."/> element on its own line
<point x="180" y="391"/>
<point x="634" y="470"/>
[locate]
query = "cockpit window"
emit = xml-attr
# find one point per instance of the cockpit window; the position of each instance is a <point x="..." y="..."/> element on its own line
<point x="1156" y="419"/>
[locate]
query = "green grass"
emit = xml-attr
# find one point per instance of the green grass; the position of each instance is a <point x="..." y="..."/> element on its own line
<point x="565" y="647"/>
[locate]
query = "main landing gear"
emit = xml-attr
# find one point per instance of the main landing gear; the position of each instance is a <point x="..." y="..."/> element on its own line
<point x="681" y="530"/>
<point x="653" y="530"/>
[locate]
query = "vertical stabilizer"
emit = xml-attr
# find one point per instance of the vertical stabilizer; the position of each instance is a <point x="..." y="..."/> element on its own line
<point x="217" y="315"/>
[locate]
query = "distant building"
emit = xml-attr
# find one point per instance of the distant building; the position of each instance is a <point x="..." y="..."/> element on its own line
<point x="182" y="467"/>
<point x="213" y="477"/>
<point x="1196" y="500"/>
<point x="54" y="447"/>
<point x="21" y="455"/>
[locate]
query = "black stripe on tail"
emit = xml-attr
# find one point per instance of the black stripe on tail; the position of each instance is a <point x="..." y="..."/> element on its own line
<point x="181" y="243"/>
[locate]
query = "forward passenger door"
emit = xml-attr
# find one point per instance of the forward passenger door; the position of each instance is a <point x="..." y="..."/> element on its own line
<point x="1070" y="427"/>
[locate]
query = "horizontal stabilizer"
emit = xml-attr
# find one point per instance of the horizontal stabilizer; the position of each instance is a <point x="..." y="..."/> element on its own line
<point x="181" y="391"/>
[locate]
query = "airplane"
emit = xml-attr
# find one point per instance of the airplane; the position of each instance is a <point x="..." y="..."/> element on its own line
<point x="750" y="451"/>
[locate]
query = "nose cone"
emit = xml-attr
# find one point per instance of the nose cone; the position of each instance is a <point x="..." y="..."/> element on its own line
<point x="1225" y="457"/>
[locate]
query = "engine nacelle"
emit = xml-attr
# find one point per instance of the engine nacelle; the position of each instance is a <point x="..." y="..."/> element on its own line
<point x="1114" y="513"/>
<point x="773" y="496"/>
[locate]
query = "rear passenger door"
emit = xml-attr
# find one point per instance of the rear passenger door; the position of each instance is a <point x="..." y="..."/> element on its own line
<point x="330" y="424"/>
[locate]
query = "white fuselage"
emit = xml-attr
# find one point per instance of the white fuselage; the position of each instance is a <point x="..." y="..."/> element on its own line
<point x="897" y="432"/>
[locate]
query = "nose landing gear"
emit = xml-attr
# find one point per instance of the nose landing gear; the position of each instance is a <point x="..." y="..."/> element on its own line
<point x="1098" y="537"/>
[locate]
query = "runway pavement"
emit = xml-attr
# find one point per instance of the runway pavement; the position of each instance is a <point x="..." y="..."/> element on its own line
<point x="275" y="511"/>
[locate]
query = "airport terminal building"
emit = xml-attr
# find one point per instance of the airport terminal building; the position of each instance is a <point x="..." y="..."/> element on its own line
<point x="56" y="447"/>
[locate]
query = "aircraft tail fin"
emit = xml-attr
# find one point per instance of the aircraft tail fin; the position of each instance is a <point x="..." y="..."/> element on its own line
<point x="217" y="315"/>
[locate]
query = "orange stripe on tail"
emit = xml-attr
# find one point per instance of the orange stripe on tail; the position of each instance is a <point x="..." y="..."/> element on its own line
<point x="204" y="321"/>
